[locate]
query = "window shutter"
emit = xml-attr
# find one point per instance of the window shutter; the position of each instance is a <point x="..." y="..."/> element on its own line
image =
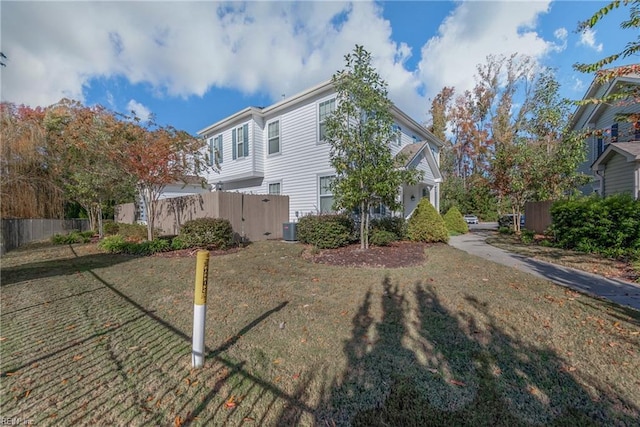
<point x="245" y="145"/>
<point x="212" y="154"/>
<point x="614" y="132"/>
<point x="234" y="146"/>
<point x="219" y="149"/>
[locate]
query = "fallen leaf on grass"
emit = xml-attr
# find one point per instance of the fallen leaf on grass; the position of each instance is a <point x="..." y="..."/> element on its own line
<point x="77" y="357"/>
<point x="613" y="344"/>
<point x="248" y="419"/>
<point x="64" y="381"/>
<point x="70" y="327"/>
<point x="11" y="374"/>
<point x="433" y="371"/>
<point x="458" y="383"/>
<point x="3" y="339"/>
<point x="296" y="376"/>
<point x="230" y="403"/>
<point x="27" y="394"/>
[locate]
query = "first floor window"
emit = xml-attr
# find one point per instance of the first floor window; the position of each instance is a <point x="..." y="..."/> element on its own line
<point x="326" y="194"/>
<point x="274" y="188"/>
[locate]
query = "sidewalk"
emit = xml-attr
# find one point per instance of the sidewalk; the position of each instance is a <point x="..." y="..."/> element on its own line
<point x="618" y="291"/>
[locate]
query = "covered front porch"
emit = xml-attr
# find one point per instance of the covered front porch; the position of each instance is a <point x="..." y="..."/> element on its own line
<point x="411" y="195"/>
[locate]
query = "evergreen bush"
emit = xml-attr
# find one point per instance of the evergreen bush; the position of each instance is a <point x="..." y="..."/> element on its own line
<point x="211" y="233"/>
<point x="455" y="222"/>
<point x="393" y="224"/>
<point x="382" y="237"/>
<point x="327" y="231"/>
<point x="426" y="224"/>
<point x="609" y="226"/>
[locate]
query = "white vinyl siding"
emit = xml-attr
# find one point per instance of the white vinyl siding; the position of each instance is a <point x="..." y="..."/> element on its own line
<point x="273" y="137"/>
<point x="325" y="108"/>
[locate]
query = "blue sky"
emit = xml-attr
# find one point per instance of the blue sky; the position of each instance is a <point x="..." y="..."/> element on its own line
<point x="194" y="63"/>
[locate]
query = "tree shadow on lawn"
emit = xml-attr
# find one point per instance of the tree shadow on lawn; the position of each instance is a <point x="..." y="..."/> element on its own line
<point x="423" y="364"/>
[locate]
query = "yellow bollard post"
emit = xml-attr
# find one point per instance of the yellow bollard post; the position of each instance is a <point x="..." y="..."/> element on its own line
<point x="200" y="308"/>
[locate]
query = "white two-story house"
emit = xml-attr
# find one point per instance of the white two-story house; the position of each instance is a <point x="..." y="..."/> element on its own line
<point x="280" y="149"/>
<point x="613" y="142"/>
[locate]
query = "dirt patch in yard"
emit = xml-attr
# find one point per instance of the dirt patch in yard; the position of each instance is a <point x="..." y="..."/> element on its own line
<point x="398" y="254"/>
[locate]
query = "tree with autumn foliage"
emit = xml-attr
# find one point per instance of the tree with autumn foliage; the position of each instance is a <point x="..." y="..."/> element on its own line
<point x="28" y="185"/>
<point x="156" y="156"/>
<point x="81" y="140"/>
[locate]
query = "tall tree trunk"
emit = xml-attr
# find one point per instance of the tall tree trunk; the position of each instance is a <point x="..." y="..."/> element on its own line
<point x="363" y="229"/>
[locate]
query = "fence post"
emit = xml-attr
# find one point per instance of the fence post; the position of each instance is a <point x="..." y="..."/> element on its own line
<point x="200" y="309"/>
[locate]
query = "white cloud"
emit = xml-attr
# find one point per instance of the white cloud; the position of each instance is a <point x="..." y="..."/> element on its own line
<point x="475" y="30"/>
<point x="561" y="34"/>
<point x="139" y="110"/>
<point x="180" y="49"/>
<point x="588" y="38"/>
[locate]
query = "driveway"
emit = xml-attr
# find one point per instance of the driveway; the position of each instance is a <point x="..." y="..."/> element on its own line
<point x="618" y="291"/>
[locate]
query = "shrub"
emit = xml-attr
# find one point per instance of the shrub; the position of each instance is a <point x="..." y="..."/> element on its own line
<point x="117" y="244"/>
<point x="505" y="230"/>
<point x="325" y="231"/>
<point x="110" y="227"/>
<point x="455" y="222"/>
<point x="393" y="224"/>
<point x="426" y="224"/>
<point x="112" y="244"/>
<point x="212" y="233"/>
<point x="73" y="237"/>
<point x="527" y="236"/>
<point x="382" y="238"/>
<point x="609" y="226"/>
<point x="136" y="232"/>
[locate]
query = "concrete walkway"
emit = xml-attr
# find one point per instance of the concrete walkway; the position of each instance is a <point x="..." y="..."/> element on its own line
<point x="618" y="291"/>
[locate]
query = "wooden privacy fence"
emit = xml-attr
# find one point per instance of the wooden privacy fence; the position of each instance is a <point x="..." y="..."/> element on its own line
<point x="537" y="216"/>
<point x="256" y="217"/>
<point x="18" y="232"/>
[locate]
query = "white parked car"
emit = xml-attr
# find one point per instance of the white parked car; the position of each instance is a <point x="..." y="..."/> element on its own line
<point x="471" y="219"/>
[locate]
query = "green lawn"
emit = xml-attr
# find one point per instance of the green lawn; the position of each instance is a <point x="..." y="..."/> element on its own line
<point x="89" y="338"/>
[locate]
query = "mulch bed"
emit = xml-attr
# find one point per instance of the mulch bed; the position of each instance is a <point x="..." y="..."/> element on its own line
<point x="398" y="254"/>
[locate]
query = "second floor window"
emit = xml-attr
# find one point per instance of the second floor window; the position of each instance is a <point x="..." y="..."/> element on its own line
<point x="218" y="148"/>
<point x="274" y="137"/>
<point x="240" y="141"/>
<point x="325" y="109"/>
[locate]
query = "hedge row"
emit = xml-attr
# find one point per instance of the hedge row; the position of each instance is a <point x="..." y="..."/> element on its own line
<point x="610" y="225"/>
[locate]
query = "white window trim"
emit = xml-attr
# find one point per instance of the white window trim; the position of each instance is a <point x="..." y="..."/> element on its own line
<point x="275" y="153"/>
<point x="321" y="101"/>
<point x="239" y="133"/>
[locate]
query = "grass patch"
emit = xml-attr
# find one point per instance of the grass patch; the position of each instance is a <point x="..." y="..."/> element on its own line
<point x="592" y="263"/>
<point x="92" y="338"/>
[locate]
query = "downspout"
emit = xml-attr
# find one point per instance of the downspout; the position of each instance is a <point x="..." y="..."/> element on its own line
<point x="636" y="183"/>
<point x="601" y="179"/>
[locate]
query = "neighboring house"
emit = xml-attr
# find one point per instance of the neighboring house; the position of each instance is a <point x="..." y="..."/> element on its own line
<point x="618" y="169"/>
<point x="281" y="149"/>
<point x="609" y="145"/>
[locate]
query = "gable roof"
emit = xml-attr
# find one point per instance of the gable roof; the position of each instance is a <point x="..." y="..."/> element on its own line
<point x="410" y="152"/>
<point x="326" y="86"/>
<point x="629" y="150"/>
<point x="610" y="87"/>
